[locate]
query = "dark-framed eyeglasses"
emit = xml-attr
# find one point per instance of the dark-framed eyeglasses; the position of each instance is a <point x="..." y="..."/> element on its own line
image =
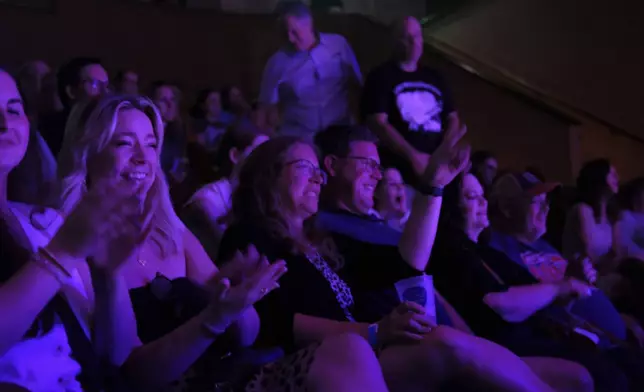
<point x="306" y="167"/>
<point x="367" y="163"/>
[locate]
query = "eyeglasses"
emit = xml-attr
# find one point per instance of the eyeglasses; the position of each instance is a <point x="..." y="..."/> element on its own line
<point x="368" y="163"/>
<point x="307" y="168"/>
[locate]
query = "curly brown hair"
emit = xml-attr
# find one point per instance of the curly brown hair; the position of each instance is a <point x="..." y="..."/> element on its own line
<point x="257" y="202"/>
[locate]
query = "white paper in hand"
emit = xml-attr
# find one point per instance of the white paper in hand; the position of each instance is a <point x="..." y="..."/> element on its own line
<point x="419" y="289"/>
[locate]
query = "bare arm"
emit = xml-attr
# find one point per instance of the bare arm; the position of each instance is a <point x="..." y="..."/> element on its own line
<point x="418" y="237"/>
<point x="166" y="359"/>
<point x="520" y="302"/>
<point x="623" y="240"/>
<point x="586" y="221"/>
<point x="201" y="269"/>
<point x="23" y="297"/>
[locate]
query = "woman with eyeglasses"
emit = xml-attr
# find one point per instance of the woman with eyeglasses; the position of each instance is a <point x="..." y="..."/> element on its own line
<point x="188" y="314"/>
<point x="328" y="284"/>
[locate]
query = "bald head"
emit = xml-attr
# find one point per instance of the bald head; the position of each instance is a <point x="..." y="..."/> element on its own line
<point x="408" y="37"/>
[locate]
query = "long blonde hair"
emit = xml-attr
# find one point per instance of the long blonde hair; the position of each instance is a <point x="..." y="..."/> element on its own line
<point x="89" y="130"/>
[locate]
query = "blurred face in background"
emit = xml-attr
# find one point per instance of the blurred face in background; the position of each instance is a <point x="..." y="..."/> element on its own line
<point x="299" y="31"/>
<point x="410" y="40"/>
<point x="166" y="100"/>
<point x="212" y="105"/>
<point x="94" y="83"/>
<point x="391" y="196"/>
<point x="473" y="204"/>
<point x="130" y="83"/>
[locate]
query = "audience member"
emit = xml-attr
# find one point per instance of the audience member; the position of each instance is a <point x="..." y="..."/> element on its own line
<point x="173" y="155"/>
<point x="629" y="229"/>
<point x="519" y="256"/>
<point x="346" y="212"/>
<point x="310" y="78"/>
<point x="127" y="82"/>
<point x="30" y="81"/>
<point x="484" y="167"/>
<point x="496" y="296"/>
<point x="390" y="199"/>
<point x="207" y="211"/>
<point x="321" y="296"/>
<point x="589" y="228"/>
<point x="118" y="138"/>
<point x="45" y="343"/>
<point x="233" y="101"/>
<point x="79" y="79"/>
<point x="209" y="119"/>
<point x="406" y="104"/>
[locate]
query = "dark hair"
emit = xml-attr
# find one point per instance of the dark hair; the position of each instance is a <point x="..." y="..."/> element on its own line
<point x="224" y="93"/>
<point x="337" y="139"/>
<point x="157" y="84"/>
<point x="257" y="202"/>
<point x="480" y="156"/>
<point x="592" y="188"/>
<point x="535" y="171"/>
<point x="630" y="192"/>
<point x="120" y="76"/>
<point x="69" y="75"/>
<point x="197" y="111"/>
<point x="239" y="135"/>
<point x="451" y="214"/>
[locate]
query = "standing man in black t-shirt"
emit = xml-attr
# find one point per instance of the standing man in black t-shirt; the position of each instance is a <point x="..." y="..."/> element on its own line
<point x="406" y="104"/>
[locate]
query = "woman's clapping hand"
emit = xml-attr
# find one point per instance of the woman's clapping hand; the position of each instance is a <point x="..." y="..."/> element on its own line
<point x="232" y="298"/>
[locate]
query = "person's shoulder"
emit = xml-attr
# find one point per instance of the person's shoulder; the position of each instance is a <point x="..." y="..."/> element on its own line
<point x="333" y="39"/>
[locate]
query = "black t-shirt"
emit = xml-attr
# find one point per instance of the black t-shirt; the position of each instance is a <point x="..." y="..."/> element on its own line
<point x="417" y="105"/>
<point x="369" y="270"/>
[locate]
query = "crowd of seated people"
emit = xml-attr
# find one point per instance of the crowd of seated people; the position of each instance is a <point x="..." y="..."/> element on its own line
<point x="262" y="247"/>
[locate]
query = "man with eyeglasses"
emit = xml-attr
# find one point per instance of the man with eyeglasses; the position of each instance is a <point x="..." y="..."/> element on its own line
<point x="80" y="79"/>
<point x="350" y="159"/>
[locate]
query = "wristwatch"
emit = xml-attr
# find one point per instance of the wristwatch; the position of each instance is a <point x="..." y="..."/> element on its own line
<point x="373" y="335"/>
<point x="429" y="190"/>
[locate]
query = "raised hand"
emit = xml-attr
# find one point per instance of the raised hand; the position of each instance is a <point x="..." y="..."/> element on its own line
<point x="407" y="323"/>
<point x="450" y="158"/>
<point x="108" y="225"/>
<point x="582" y="268"/>
<point x="573" y="288"/>
<point x="230" y="302"/>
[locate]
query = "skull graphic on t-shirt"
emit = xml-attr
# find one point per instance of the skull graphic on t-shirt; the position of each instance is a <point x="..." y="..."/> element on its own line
<point x="420" y="105"/>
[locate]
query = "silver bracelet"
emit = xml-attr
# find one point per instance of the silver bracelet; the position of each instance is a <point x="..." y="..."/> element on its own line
<point x="48" y="262"/>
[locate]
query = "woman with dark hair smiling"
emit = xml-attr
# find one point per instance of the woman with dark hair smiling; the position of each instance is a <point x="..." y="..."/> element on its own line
<point x="501" y="300"/>
<point x="331" y="278"/>
<point x="589" y="227"/>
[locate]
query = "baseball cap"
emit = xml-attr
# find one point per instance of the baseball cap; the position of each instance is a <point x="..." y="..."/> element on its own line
<point x="512" y="185"/>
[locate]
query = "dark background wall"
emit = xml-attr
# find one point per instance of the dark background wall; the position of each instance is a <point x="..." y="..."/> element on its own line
<point x="206" y="48"/>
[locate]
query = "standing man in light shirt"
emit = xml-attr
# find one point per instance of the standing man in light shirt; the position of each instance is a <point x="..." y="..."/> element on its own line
<point x="406" y="104"/>
<point x="306" y="84"/>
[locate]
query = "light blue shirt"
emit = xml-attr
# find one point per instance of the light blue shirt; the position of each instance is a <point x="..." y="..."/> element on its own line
<point x="311" y="87"/>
